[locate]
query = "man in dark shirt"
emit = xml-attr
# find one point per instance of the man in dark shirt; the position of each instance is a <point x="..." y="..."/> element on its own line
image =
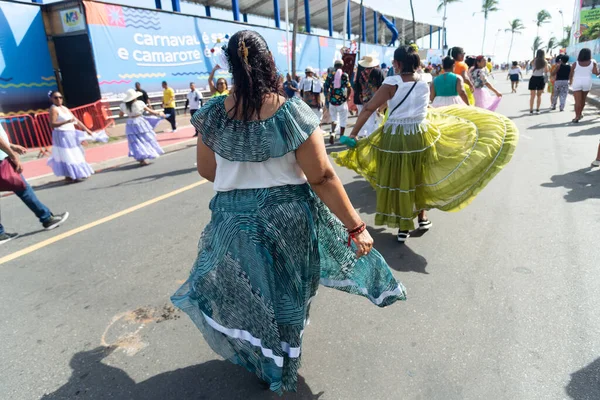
<point x="144" y="97"/>
<point x="290" y="87"/>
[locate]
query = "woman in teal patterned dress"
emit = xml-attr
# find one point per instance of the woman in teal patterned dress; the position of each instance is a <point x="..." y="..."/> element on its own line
<point x="281" y="224"/>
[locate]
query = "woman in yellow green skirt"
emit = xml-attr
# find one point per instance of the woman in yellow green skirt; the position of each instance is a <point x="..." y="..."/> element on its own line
<point x="424" y="158"/>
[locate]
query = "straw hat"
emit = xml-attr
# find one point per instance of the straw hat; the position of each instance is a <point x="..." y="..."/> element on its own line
<point x="131" y="94"/>
<point x="369" y="62"/>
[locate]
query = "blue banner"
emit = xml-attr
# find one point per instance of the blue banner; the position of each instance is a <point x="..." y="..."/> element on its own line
<point x="137" y="45"/>
<point x="26" y="73"/>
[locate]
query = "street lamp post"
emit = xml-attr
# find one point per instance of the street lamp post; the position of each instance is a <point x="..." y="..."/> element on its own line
<point x="496" y="42"/>
<point x="562" y="21"/>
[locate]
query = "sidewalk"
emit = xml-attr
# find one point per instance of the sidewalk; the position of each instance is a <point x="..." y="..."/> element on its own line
<point x="116" y="153"/>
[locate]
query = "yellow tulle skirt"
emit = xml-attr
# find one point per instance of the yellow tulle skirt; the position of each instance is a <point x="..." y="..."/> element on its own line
<point x="441" y="164"/>
<point x="470" y="95"/>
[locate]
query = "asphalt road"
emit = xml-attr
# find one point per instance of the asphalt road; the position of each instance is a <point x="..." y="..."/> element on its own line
<point x="502" y="295"/>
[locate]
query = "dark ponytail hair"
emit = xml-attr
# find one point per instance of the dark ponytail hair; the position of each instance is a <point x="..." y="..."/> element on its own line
<point x="254" y="73"/>
<point x="130" y="103"/>
<point x="455" y="52"/>
<point x="448" y="63"/>
<point x="408" y="57"/>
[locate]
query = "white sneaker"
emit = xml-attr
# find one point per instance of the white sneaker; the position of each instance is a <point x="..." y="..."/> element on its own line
<point x="596" y="163"/>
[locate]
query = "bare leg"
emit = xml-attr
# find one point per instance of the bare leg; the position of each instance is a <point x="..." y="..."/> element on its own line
<point x="577" y="97"/>
<point x="423" y="214"/>
<point x="598" y="154"/>
<point x="342" y="130"/>
<point x="531" y="100"/>
<point x="584" y="96"/>
<point x="539" y="99"/>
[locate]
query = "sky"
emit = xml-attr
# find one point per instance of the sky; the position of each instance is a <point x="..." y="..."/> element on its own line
<point x="466" y="30"/>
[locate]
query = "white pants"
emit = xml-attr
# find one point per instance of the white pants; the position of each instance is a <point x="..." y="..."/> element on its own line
<point x="370" y="125"/>
<point x="339" y="113"/>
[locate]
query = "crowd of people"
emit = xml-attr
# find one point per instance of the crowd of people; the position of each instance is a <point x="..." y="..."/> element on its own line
<point x="426" y="137"/>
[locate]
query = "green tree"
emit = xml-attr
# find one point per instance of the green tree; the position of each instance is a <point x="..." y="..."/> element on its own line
<point x="537" y="44"/>
<point x="487" y="7"/>
<point x="552" y="44"/>
<point x="543" y="17"/>
<point x="443" y="6"/>
<point x="516" y="28"/>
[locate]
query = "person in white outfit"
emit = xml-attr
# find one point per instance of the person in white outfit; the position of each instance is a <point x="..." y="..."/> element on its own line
<point x="194" y="101"/>
<point x="310" y="90"/>
<point x="581" y="80"/>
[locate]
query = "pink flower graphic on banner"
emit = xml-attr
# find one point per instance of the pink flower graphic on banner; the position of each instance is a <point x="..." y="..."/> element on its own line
<point x="115" y="16"/>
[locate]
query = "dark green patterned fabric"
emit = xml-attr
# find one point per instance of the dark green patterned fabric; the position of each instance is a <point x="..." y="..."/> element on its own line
<point x="255" y="141"/>
<point x="259" y="265"/>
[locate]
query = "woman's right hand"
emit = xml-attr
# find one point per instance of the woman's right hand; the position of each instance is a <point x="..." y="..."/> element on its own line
<point x="364" y="243"/>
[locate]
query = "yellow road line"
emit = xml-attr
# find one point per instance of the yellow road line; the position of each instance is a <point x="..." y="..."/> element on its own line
<point x="100" y="221"/>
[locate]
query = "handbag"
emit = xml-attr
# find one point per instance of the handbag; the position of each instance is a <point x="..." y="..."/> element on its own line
<point x="10" y="180"/>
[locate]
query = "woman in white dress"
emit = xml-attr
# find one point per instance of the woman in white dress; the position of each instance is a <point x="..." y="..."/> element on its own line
<point x="68" y="157"/>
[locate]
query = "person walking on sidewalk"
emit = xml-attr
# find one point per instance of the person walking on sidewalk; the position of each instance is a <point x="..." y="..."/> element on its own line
<point x="310" y="90"/>
<point x="537" y="82"/>
<point x="221" y="89"/>
<point x="337" y="90"/>
<point x="515" y="75"/>
<point x="141" y="138"/>
<point x="49" y="221"/>
<point x="169" y="105"/>
<point x="281" y="223"/>
<point x="581" y="80"/>
<point x="68" y="157"/>
<point x="193" y="100"/>
<point x="145" y="99"/>
<point x="561" y="82"/>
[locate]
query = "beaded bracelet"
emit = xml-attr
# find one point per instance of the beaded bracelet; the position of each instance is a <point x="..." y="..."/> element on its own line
<point x="355" y="232"/>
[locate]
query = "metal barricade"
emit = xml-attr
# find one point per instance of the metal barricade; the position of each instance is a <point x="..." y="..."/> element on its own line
<point x="24" y="131"/>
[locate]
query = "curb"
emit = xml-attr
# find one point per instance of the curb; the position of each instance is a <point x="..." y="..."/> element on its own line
<point x="112" y="163"/>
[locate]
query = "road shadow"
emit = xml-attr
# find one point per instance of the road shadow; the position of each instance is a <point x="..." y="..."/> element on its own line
<point x="362" y="195"/>
<point x="583" y="184"/>
<point x="91" y="379"/>
<point x="399" y="256"/>
<point x="150" y="178"/>
<point x="585" y="383"/>
<point x="586" y="132"/>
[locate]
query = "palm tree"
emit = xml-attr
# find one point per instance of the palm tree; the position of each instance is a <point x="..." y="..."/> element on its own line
<point x="537" y="43"/>
<point x="487" y="7"/>
<point x="516" y="28"/>
<point x="443" y="6"/>
<point x="552" y="44"/>
<point x="414" y="23"/>
<point x="543" y="17"/>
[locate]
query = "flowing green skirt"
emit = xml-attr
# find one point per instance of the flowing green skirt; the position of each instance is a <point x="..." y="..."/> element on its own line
<point x="260" y="262"/>
<point x="443" y="164"/>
